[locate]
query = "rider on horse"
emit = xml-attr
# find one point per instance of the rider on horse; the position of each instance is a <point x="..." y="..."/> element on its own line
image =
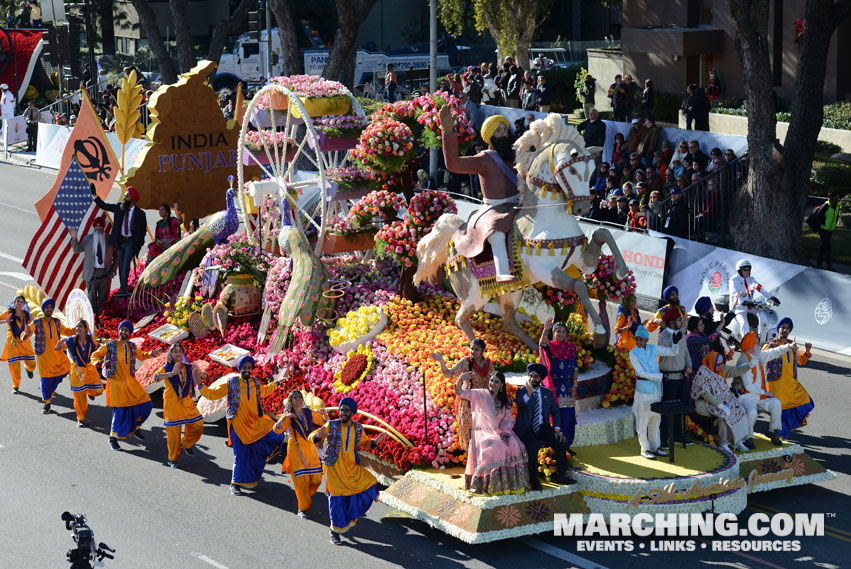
<point x="498" y="181"/>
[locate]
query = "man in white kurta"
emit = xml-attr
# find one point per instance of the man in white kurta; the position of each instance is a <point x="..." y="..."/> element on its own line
<point x="755" y="395"/>
<point x="644" y="358"/>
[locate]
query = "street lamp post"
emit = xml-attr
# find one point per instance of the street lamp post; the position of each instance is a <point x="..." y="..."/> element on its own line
<point x="432" y="75"/>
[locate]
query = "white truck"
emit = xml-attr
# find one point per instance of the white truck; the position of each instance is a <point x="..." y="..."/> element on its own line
<point x="247" y="62"/>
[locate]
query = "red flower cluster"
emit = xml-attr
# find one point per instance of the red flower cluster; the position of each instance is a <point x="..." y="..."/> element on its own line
<point x="353" y="369"/>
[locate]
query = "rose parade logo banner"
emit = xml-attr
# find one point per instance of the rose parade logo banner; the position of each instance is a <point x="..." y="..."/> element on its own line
<point x="194" y="148"/>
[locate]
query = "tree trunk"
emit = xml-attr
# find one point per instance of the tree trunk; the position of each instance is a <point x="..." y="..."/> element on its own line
<point x="293" y="62"/>
<point x="226" y="28"/>
<point x="168" y="73"/>
<point x="768" y="209"/>
<point x="183" y="34"/>
<point x="350" y="15"/>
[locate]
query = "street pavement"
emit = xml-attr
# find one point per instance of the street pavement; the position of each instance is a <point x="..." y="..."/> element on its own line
<point x="162" y="518"/>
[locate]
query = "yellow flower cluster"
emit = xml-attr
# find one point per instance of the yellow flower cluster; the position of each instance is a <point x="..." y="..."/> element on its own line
<point x="547" y="462"/>
<point x="178" y="314"/>
<point x="354" y="325"/>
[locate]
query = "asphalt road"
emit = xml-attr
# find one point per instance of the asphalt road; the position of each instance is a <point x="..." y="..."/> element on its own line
<point x="162" y="518"/>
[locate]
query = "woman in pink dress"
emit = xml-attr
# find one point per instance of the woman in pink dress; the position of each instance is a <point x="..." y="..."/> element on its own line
<point x="496" y="458"/>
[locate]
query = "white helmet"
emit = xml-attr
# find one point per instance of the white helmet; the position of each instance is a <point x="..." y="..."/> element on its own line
<point x="743" y="264"/>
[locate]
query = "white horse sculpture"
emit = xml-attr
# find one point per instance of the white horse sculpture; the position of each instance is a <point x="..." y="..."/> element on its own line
<point x="554" y="168"/>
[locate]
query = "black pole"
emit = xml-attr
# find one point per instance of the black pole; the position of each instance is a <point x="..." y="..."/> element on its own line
<point x="90" y="41"/>
<point x="425" y="409"/>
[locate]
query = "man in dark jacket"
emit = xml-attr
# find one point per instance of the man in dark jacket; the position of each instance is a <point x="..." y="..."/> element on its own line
<point x="676" y="222"/>
<point x="593" y="130"/>
<point x="128" y="231"/>
<point x="536" y="407"/>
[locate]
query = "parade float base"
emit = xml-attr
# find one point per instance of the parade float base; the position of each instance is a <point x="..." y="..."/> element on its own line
<point x="610" y="478"/>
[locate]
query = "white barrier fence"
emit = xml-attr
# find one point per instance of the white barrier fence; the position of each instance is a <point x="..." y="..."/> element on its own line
<point x="52" y="139"/>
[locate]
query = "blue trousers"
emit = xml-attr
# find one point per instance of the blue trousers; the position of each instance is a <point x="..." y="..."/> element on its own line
<point x="249" y="460"/>
<point x="48" y="387"/>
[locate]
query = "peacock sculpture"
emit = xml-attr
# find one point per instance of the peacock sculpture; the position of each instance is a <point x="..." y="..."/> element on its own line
<point x="305" y="297"/>
<point x="185" y="254"/>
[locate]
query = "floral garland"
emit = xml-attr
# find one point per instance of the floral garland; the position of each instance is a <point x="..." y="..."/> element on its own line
<point x="428" y="107"/>
<point x="622" y="390"/>
<point x="605" y="282"/>
<point x="381" y="203"/>
<point x="355" y="369"/>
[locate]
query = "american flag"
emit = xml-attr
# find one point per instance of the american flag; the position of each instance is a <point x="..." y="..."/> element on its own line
<point x="50" y="258"/>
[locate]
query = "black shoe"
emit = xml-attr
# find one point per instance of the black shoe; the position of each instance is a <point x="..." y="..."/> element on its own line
<point x="172" y="464"/>
<point x="46" y="409"/>
<point x="234" y="489"/>
<point x="303" y="515"/>
<point x="91" y="397"/>
<point x="335" y="538"/>
<point x="572" y="452"/>
<point x="138" y="435"/>
<point x="15" y="391"/>
<point x="563" y="479"/>
<point x="536" y="486"/>
<point x="29" y="374"/>
<point x="189" y="451"/>
<point x="775" y="439"/>
<point x="749" y="442"/>
<point x="113" y="443"/>
<point x="81" y="424"/>
<point x="685" y="442"/>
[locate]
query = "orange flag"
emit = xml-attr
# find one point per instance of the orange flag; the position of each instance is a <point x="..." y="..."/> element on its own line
<point x="88" y="144"/>
<point x="240" y="106"/>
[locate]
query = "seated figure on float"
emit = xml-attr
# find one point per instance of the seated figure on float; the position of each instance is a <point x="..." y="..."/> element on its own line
<point x="712" y="397"/>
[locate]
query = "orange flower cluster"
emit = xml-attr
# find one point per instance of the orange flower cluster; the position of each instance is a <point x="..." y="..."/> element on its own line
<point x="623" y="380"/>
<point x="699" y="433"/>
<point x="415" y="330"/>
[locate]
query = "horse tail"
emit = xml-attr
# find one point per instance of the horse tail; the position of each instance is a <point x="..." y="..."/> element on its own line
<point x="431" y="250"/>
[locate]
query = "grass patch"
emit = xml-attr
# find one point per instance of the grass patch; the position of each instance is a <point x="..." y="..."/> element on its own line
<point x="840" y="245"/>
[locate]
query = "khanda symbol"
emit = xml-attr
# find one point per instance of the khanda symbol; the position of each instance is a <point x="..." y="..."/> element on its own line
<point x="92" y="157"/>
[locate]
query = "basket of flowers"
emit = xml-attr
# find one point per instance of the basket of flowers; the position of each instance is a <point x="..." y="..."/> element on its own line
<point x="605" y="283"/>
<point x="337" y="132"/>
<point x="258" y="141"/>
<point x="342" y="237"/>
<point x="352" y="183"/>
<point x="428" y="107"/>
<point x="382" y="204"/>
<point x="318" y="96"/>
<point x="386" y="145"/>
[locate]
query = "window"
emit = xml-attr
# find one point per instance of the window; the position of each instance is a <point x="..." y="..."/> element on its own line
<point x="250" y="49"/>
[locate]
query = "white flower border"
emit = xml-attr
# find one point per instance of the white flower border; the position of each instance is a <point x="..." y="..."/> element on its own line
<point x="485" y="502"/>
<point x="797" y="481"/>
<point x="778" y="452"/>
<point x="605" y="432"/>
<point x="733" y="503"/>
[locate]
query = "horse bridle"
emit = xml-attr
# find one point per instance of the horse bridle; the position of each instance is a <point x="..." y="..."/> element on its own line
<point x="559" y="172"/>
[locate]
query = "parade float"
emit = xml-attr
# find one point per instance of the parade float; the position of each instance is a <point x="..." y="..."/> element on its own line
<point x="311" y="267"/>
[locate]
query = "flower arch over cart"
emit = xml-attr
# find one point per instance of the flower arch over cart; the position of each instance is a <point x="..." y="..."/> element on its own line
<point x="286" y="136"/>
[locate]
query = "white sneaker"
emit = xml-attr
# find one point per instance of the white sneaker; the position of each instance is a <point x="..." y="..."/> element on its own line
<point x="741" y="447"/>
<point x="648" y="455"/>
<point x="660" y="452"/>
<point x="725" y="448"/>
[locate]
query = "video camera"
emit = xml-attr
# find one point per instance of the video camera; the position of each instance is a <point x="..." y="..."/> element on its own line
<point x="82" y="556"/>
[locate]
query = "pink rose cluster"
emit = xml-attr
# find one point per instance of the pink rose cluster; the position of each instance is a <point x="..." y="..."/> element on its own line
<point x="380" y="203"/>
<point x="259" y="140"/>
<point x="605" y="281"/>
<point x="428" y="107"/>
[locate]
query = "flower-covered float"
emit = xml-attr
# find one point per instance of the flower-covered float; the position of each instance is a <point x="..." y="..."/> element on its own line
<point x="353" y="324"/>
